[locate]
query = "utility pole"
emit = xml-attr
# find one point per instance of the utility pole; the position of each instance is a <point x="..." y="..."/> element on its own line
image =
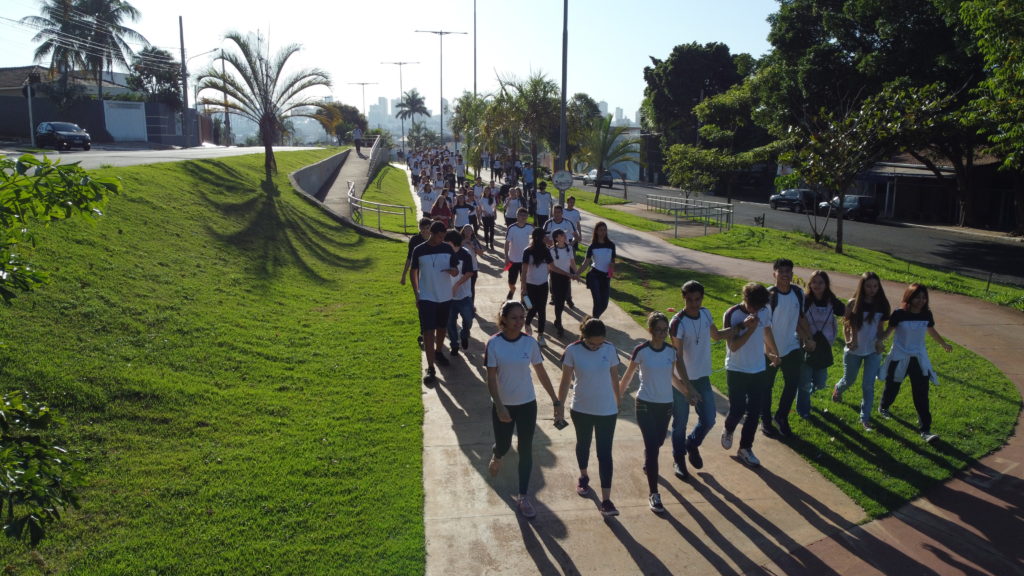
<point x="364" y="85"/>
<point x="474" y="50"/>
<point x="562" y="129"/>
<point x="184" y="82"/>
<point x="227" y="117"/>
<point x="440" y="36"/>
<point x="401" y="94"/>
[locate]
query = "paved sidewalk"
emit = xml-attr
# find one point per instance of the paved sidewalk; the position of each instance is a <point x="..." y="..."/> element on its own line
<point x="783" y="518"/>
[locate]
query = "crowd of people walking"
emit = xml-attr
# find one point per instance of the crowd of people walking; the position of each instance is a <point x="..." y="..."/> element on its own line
<point x="778" y="328"/>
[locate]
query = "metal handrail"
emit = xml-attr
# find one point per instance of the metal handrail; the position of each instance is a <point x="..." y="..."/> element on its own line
<point x="358" y="205"/>
<point x="692" y="209"/>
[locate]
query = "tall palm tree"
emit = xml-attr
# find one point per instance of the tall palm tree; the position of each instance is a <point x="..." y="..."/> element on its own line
<point x="108" y="36"/>
<point x="255" y="87"/>
<point x="412" y="104"/>
<point x="606" y="146"/>
<point x="466" y="123"/>
<point x="538" y="102"/>
<point x="60" y="31"/>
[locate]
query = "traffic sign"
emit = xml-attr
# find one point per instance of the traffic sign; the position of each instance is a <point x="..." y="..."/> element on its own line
<point x="562" y="180"/>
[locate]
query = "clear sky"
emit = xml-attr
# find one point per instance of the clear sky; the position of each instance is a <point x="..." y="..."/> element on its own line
<point x="610" y="41"/>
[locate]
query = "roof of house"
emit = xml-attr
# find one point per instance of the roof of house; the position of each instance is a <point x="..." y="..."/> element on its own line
<point x="17" y="77"/>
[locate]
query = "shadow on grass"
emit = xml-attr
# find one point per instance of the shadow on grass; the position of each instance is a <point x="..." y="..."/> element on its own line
<point x="276" y="233"/>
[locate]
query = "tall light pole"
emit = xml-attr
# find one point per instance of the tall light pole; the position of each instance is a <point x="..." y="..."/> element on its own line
<point x="440" y="36"/>
<point x="474" y="48"/>
<point x="562" y="129"/>
<point x="364" y="85"/>
<point x="401" y="94"/>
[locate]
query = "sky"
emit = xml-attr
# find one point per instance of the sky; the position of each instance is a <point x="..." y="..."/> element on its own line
<point x="610" y="41"/>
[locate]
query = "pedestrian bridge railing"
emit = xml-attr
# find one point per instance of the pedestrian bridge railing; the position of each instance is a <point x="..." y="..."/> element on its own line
<point x="691" y="210"/>
<point x="369" y="213"/>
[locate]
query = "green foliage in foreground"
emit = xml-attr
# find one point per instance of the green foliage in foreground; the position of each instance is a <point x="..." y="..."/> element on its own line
<point x="242" y="388"/>
<point x="974" y="409"/>
<point x="765" y="244"/>
<point x="391" y="186"/>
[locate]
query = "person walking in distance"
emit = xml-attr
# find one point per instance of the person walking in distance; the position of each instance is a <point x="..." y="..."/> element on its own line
<point x="488" y="209"/>
<point x="745" y="367"/>
<point x="600" y="261"/>
<point x="692" y="330"/>
<point x="908" y="357"/>
<point x="544" y="204"/>
<point x="462" y="293"/>
<point x="357" y="139"/>
<point x="517" y="238"/>
<point x="563" y="271"/>
<point x="655" y="359"/>
<point x="508" y="356"/>
<point x="866" y="314"/>
<point x="434" y="264"/>
<point x="593" y="364"/>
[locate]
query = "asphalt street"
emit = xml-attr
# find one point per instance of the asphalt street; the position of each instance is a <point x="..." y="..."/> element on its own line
<point x="969" y="254"/>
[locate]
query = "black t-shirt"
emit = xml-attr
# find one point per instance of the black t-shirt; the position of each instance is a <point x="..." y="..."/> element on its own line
<point x="414" y="241"/>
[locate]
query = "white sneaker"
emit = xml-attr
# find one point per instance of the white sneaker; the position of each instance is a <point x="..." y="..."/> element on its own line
<point x="928" y="437"/>
<point x="746" y="456"/>
<point x="655" y="503"/>
<point x="726" y="439"/>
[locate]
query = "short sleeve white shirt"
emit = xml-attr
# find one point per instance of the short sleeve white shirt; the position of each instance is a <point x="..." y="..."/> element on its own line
<point x="513" y="359"/>
<point x="695" y="334"/>
<point x="517" y="239"/>
<point x="750" y="357"/>
<point x="655" y="372"/>
<point x="593" y="391"/>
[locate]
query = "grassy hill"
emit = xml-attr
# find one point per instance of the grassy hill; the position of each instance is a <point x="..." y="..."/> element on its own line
<point x="242" y="385"/>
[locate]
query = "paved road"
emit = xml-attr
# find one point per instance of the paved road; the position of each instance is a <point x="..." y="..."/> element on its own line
<point x="942" y="249"/>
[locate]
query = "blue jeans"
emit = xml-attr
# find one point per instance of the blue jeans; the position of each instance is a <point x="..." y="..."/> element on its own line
<point x="811" y="379"/>
<point x="600" y="288"/>
<point x="458" y="308"/>
<point x="681" y="414"/>
<point x="851" y="365"/>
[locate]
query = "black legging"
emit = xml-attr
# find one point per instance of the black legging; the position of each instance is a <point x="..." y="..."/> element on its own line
<point x="746" y="393"/>
<point x="600" y="288"/>
<point x="524" y="422"/>
<point x="586" y="425"/>
<point x="653" y="418"/>
<point x="919" y="384"/>
<point x="559" y="294"/>
<point x="538" y="294"/>
<point x="489" y="231"/>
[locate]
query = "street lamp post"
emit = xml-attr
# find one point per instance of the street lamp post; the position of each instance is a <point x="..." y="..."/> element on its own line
<point x="440" y="36"/>
<point x="364" y="85"/>
<point x="184" y="79"/>
<point x="562" y="128"/>
<point x="401" y="94"/>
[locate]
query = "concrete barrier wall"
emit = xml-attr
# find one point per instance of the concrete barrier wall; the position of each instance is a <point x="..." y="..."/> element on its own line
<point x="312" y="179"/>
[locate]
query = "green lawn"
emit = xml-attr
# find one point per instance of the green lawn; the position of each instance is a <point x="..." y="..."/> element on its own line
<point x="585" y="202"/>
<point x="391" y="186"/>
<point x="974" y="409"/>
<point x="765" y="245"/>
<point x="240" y="383"/>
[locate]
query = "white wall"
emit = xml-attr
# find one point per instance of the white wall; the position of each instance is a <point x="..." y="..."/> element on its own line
<point x="125" y="121"/>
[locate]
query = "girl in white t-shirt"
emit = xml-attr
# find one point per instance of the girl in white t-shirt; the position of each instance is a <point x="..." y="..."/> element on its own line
<point x="594" y="365"/>
<point x="508" y="356"/>
<point x="537" y="263"/>
<point x="866" y="314"/>
<point x="655" y="359"/>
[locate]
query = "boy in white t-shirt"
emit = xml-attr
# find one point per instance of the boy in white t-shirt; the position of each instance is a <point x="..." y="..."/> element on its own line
<point x="745" y="367"/>
<point x="790" y="331"/>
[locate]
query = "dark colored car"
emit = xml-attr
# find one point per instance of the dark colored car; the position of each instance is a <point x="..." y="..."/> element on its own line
<point x="854" y="208"/>
<point x="796" y="199"/>
<point x="606" y="178"/>
<point x="62" y="136"/>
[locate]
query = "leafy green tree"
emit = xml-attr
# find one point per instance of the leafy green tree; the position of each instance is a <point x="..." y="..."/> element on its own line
<point x="60" y="33"/>
<point x="38" y="478"/>
<point x="467" y="124"/>
<point x="675" y="85"/>
<point x="605" y="146"/>
<point x="503" y="121"/>
<point x="420" y="136"/>
<point x="580" y="112"/>
<point x="108" y="37"/>
<point x="257" y="88"/>
<point x="40" y="191"/>
<point x="156" y="74"/>
<point x="339" y="119"/>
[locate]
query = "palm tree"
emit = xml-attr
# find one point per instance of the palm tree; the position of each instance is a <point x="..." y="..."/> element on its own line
<point x="60" y="30"/>
<point x="538" y="102"/>
<point x="467" y="123"/>
<point x="108" y="36"/>
<point x="412" y="104"/>
<point x="256" y="88"/>
<point x="605" y="146"/>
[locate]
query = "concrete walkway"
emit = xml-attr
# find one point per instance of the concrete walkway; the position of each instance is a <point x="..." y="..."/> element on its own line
<point x="783" y="518"/>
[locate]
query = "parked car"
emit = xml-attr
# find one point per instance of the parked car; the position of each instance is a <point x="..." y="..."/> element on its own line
<point x="854" y="207"/>
<point x="606" y="179"/>
<point x="62" y="136"/>
<point x="795" y="199"/>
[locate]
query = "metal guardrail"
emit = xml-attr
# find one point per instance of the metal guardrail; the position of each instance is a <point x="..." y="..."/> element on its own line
<point x="378" y="156"/>
<point x="712" y="214"/>
<point x="359" y="207"/>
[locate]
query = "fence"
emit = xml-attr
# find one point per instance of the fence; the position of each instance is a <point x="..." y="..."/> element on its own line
<point x="711" y="214"/>
<point x="359" y="208"/>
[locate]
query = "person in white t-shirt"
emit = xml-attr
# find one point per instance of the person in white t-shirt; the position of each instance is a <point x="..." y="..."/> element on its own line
<point x="692" y="330"/>
<point x="655" y="359"/>
<point x="517" y="238"/>
<point x="789" y="332"/>
<point x="544" y="204"/>
<point x="866" y="314"/>
<point x="745" y="367"/>
<point x="594" y="365"/>
<point x="537" y="264"/>
<point x="573" y="215"/>
<point x="508" y="356"/>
